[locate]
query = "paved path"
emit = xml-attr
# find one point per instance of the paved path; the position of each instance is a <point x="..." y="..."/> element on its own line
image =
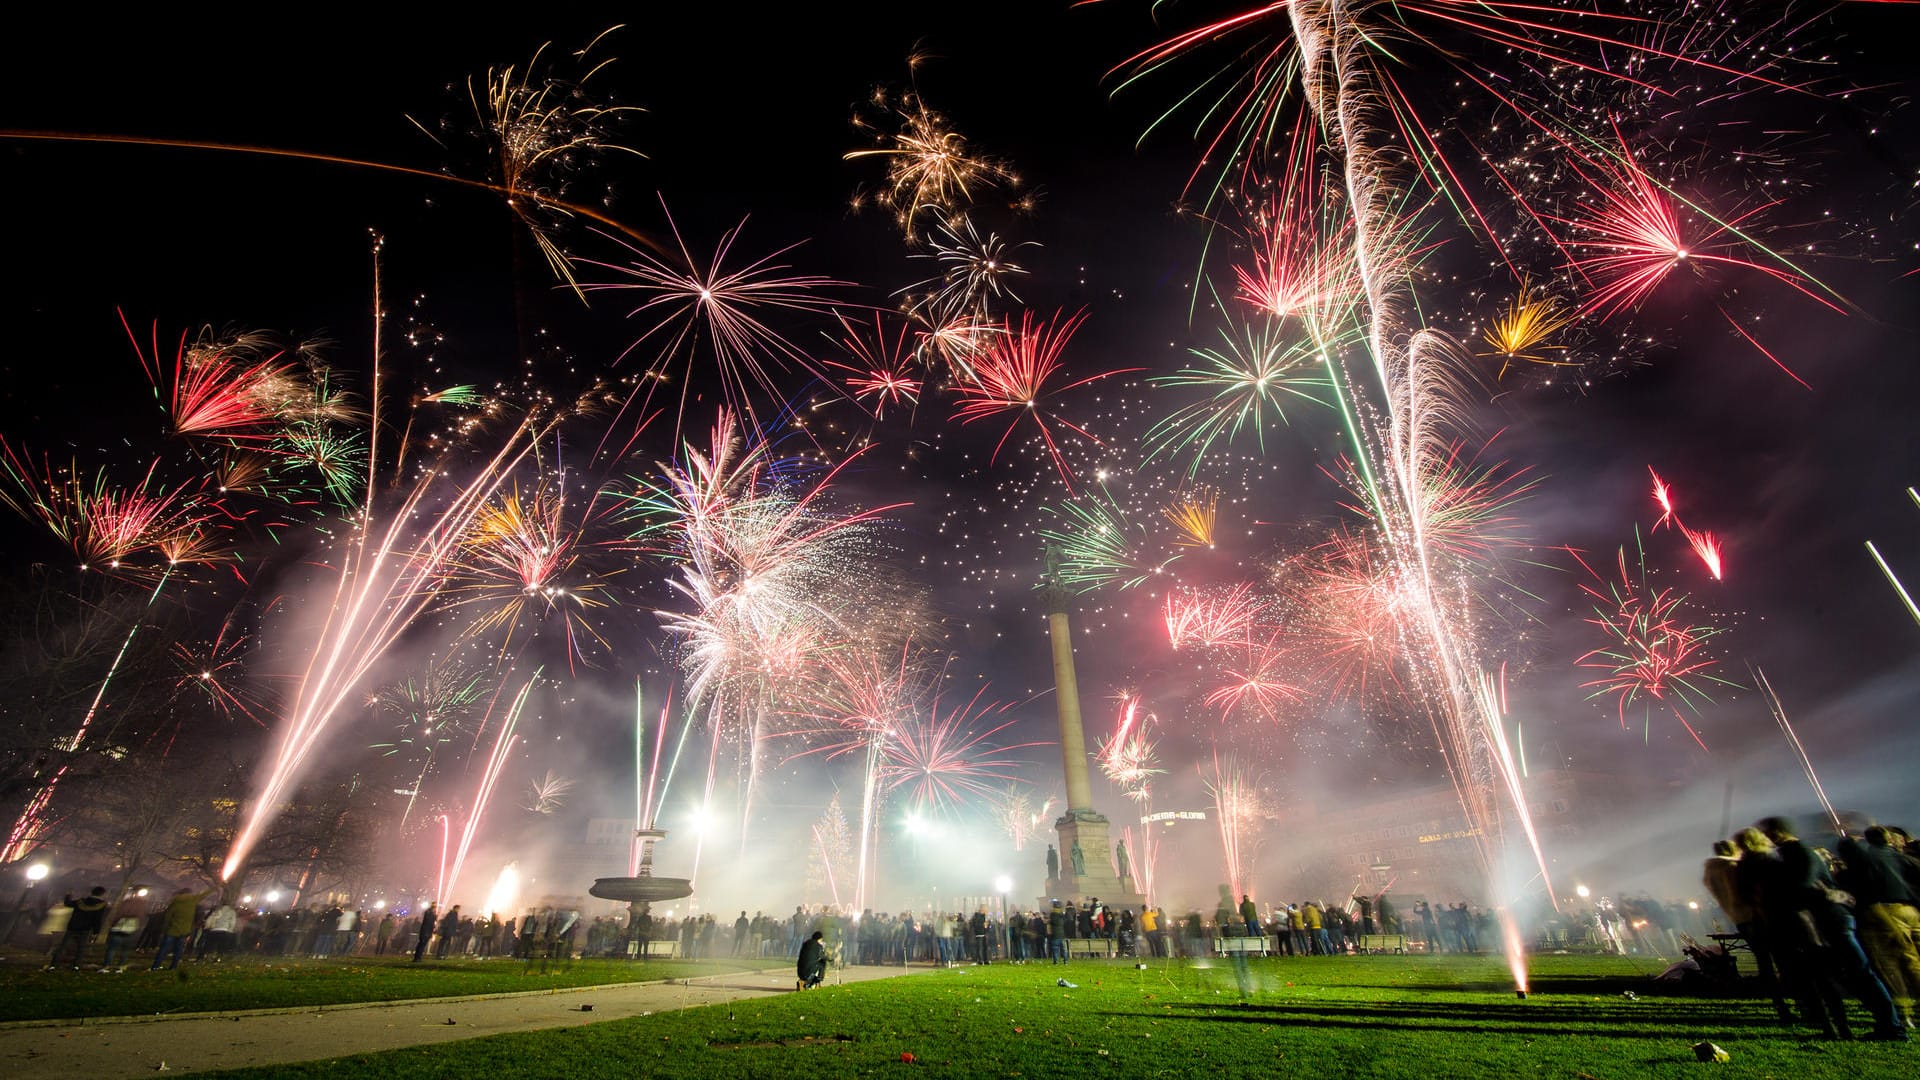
<point x="141" y="1047"/>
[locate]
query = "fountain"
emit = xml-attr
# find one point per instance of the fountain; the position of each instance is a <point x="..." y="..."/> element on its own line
<point x="642" y="889"/>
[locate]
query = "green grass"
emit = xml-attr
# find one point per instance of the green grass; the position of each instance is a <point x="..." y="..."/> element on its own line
<point x="33" y="994"/>
<point x="1323" y="1018"/>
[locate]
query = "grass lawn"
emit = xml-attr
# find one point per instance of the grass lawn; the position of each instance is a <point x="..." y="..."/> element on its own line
<point x="27" y="993"/>
<point x="1324" y="1018"/>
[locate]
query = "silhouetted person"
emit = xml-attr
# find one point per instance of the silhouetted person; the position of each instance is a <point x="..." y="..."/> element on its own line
<point x="427" y="920"/>
<point x="812" y="966"/>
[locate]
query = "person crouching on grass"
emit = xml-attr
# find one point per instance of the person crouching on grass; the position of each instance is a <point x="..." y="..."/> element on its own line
<point x="812" y="967"/>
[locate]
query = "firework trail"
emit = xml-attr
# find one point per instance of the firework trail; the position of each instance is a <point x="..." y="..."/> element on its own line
<point x="388" y="577"/>
<point x="649" y="786"/>
<point x="1240" y="809"/>
<point x="489" y="779"/>
<point x="1901" y="590"/>
<point x="1779" y="712"/>
<point x="1011" y="377"/>
<point x="1704" y="544"/>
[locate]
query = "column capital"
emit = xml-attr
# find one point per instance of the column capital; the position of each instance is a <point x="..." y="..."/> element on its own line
<point x="1056" y="600"/>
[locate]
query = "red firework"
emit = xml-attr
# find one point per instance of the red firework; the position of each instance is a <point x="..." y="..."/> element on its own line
<point x="1651" y="651"/>
<point x="1257" y="683"/>
<point x="1011" y="377"/>
<point x="1212" y="618"/>
<point x="215" y="388"/>
<point x="881" y="373"/>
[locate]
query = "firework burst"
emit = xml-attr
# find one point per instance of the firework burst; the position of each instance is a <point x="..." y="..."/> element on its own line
<point x="722" y="304"/>
<point x="1213" y="618"/>
<point x="1194" y="513"/>
<point x="1248" y="382"/>
<point x="1653" y="650"/>
<point x="931" y="172"/>
<point x="1098" y="543"/>
<point x="1011" y="378"/>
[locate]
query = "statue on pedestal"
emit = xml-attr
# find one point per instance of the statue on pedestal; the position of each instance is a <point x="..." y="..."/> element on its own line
<point x="1120" y="855"/>
<point x="1053" y="864"/>
<point x="1079" y="860"/>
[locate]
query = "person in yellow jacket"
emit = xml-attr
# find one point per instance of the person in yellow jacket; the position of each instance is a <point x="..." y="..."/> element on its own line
<point x="177" y="927"/>
<point x="1316" y="929"/>
<point x="1150" y="929"/>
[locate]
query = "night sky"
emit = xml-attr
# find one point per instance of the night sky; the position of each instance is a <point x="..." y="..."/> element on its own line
<point x="748" y="116"/>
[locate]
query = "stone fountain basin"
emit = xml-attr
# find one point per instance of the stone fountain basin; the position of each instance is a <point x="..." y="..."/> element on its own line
<point x="641" y="890"/>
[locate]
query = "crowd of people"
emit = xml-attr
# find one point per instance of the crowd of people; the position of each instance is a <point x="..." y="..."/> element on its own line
<point x="1822" y="924"/>
<point x="1826" y="924"/>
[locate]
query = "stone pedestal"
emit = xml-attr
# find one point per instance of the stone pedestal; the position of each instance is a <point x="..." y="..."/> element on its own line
<point x="1101" y="879"/>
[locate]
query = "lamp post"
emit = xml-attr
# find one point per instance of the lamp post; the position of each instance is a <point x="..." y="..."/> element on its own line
<point x="35" y="875"/>
<point x="1004" y="886"/>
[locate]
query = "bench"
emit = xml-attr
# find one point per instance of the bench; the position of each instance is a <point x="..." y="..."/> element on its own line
<point x="1089" y="948"/>
<point x="664" y="949"/>
<point x="1257" y="946"/>
<point x="1381" y="943"/>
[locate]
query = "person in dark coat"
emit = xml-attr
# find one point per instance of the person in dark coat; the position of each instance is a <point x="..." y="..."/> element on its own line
<point x="1822" y="948"/>
<point x="812" y="967"/>
<point x="427" y="920"/>
<point x="88" y="919"/>
<point x="977" y="930"/>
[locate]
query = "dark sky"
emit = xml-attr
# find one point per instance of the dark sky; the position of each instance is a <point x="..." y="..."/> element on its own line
<point x="747" y="113"/>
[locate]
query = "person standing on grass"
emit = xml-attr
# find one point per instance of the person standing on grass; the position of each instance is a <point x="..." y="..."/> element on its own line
<point x="812" y="966"/>
<point x="89" y="916"/>
<point x="428" y="919"/>
<point x="1250" y="914"/>
<point x="217" y="934"/>
<point x="120" y="942"/>
<point x="1820" y="948"/>
<point x="383" y="934"/>
<point x="449" y="924"/>
<point x="177" y="928"/>
<point x="977" y="930"/>
<point x="1885" y="903"/>
<point x="1150" y="930"/>
<point x="1316" y="933"/>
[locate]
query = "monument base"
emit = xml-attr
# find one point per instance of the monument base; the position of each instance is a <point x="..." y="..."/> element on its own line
<point x="1100" y="879"/>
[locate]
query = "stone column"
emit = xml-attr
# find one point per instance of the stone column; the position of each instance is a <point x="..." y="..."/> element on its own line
<point x="1081" y="824"/>
<point x="1066" y="698"/>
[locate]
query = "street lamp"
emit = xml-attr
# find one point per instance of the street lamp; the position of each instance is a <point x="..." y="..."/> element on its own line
<point x="35" y="875"/>
<point x="1582" y="891"/>
<point x="1004" y="886"/>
